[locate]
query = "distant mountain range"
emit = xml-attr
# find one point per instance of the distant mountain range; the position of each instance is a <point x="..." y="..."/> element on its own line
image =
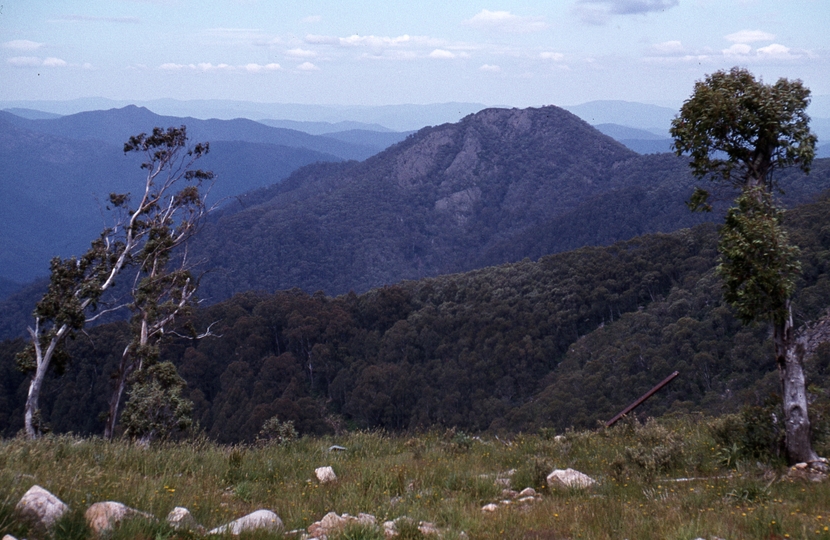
<point x="62" y="167"/>
<point x="57" y="172"/>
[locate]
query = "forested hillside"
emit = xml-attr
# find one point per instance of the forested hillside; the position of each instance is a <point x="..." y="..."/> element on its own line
<point x="499" y="186"/>
<point x="565" y="341"/>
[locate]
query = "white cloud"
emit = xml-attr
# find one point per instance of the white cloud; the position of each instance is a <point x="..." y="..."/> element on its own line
<point x="750" y="36"/>
<point x="300" y="53"/>
<point x="312" y="19"/>
<point x="375" y="41"/>
<point x="308" y="66"/>
<point x="54" y="62"/>
<point x="600" y="11"/>
<point x="738" y="49"/>
<point x="504" y="21"/>
<point x="89" y="18"/>
<point x="34" y="61"/>
<point x="777" y="51"/>
<point x="207" y="66"/>
<point x="321" y="40"/>
<point x="25" y="61"/>
<point x="490" y="68"/>
<point x="22" y="45"/>
<point x="555" y="56"/>
<point x="442" y="54"/>
<point x="667" y="48"/>
<point x="258" y="68"/>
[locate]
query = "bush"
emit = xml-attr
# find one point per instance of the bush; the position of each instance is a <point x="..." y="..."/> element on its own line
<point x="275" y="431"/>
<point x="656" y="450"/>
<point x="756" y="432"/>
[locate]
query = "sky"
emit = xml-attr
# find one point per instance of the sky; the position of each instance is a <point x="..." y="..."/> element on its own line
<point x="347" y="52"/>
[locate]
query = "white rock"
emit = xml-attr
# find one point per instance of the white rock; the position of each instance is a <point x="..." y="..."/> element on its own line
<point x="325" y="475"/>
<point x="102" y="516"/>
<point x="40" y="508"/>
<point x="9" y="537"/>
<point x="180" y="518"/>
<point x="489" y="508"/>
<point x="260" y="520"/>
<point x="527" y="492"/>
<point x="569" y="478"/>
<point x="428" y="528"/>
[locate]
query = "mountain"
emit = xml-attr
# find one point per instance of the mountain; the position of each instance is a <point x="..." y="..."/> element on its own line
<point x="54" y="186"/>
<point x="499" y="186"/>
<point x="379" y="140"/>
<point x="626" y="113"/>
<point x="323" y="128"/>
<point x="32" y="114"/>
<point x="403" y="117"/>
<point x="115" y="126"/>
<point x="639" y="140"/>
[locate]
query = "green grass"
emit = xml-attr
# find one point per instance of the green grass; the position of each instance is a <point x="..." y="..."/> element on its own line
<point x="431" y="477"/>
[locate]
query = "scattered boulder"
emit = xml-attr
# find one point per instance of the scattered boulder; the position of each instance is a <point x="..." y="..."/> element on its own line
<point x="527" y="492"/>
<point x="391" y="529"/>
<point x="332" y="523"/>
<point x="180" y="518"/>
<point x="325" y="475"/>
<point x="428" y="528"/>
<point x="569" y="478"/>
<point x="808" y="472"/>
<point x="9" y="537"/>
<point x="103" y="516"/>
<point x="265" y="520"/>
<point x="487" y="508"/>
<point x="40" y="508"/>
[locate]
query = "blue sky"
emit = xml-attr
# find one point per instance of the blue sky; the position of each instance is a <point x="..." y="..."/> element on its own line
<point x="345" y="52"/>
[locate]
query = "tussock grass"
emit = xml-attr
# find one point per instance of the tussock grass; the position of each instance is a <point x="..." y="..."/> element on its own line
<point x="444" y="478"/>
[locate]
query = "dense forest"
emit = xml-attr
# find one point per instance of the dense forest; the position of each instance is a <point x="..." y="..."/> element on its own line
<point x="565" y="341"/>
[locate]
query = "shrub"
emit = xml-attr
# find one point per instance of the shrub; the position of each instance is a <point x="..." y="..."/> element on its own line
<point x="275" y="431"/>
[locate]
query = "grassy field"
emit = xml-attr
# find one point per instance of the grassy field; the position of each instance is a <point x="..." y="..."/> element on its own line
<point x="672" y="479"/>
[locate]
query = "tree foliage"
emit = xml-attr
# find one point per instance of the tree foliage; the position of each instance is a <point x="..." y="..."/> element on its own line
<point x="758" y="265"/>
<point x="740" y="130"/>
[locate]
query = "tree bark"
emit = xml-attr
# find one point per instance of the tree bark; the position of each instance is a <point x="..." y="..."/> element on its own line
<point x="32" y="402"/>
<point x="788" y="357"/>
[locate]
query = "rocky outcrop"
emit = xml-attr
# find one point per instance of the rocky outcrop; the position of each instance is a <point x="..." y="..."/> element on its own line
<point x="40" y="508"/>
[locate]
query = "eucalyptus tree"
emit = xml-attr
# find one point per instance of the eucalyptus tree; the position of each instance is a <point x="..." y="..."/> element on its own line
<point x="739" y="131"/>
<point x="144" y="233"/>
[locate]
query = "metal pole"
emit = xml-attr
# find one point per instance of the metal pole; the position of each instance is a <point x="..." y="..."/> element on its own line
<point x="640" y="401"/>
